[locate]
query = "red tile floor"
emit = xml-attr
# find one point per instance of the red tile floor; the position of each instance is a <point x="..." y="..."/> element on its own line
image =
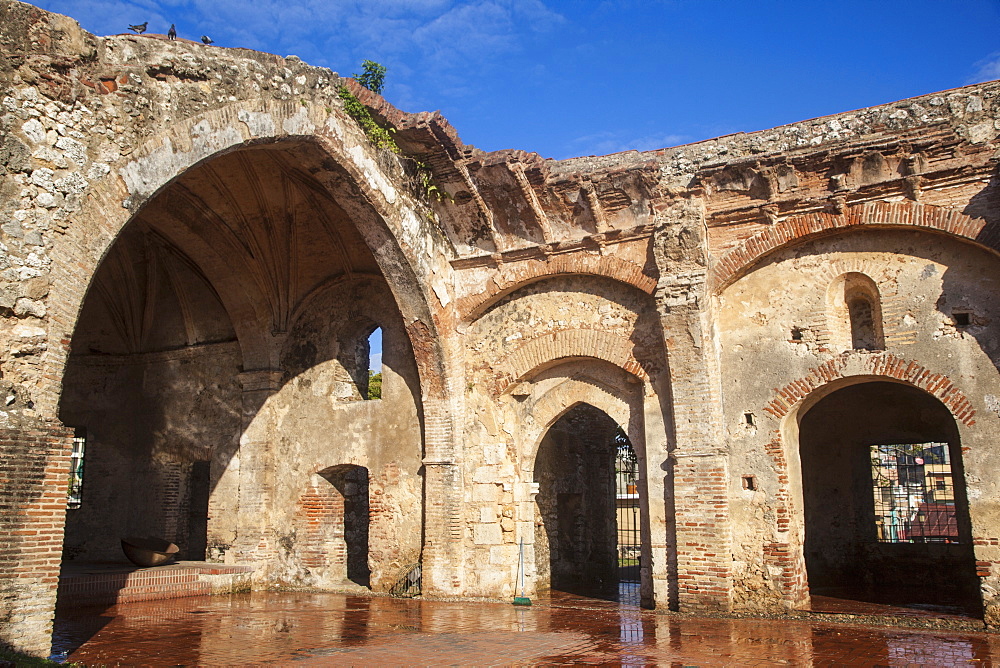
<point x="337" y="629"/>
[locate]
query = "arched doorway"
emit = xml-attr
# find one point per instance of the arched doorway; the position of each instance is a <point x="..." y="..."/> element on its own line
<point x="886" y="513"/>
<point x="588" y="540"/>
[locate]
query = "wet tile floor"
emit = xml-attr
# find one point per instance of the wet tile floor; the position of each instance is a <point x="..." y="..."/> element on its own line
<point x="267" y="628"/>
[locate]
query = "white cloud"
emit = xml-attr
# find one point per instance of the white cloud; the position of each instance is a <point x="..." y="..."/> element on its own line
<point x="987" y="69"/>
<point x="604" y="143"/>
<point x="436" y="51"/>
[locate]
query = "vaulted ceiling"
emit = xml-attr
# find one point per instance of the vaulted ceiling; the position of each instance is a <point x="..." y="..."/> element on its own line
<point x="234" y="243"/>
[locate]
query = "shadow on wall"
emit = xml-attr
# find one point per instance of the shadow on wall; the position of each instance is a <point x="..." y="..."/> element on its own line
<point x="968" y="299"/>
<point x="245" y="262"/>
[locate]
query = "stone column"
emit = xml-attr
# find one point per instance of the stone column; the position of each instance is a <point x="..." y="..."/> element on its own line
<point x="658" y="572"/>
<point x="699" y="460"/>
<point x="34" y="476"/>
<point x="443" y="492"/>
<point x="256" y="461"/>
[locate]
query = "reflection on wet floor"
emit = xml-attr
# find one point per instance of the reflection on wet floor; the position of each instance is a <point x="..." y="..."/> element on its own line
<point x="336" y="629"/>
<point x="898" y="602"/>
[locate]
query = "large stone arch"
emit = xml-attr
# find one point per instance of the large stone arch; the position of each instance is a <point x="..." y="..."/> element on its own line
<point x="850" y="368"/>
<point x="370" y="188"/>
<point x="368" y="185"/>
<point x="549" y="349"/>
<point x="740" y="260"/>
<point x="569" y="393"/>
<point x="551" y="390"/>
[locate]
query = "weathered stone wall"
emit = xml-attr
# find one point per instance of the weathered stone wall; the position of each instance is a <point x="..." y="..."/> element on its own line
<point x="148" y="419"/>
<point x="319" y="420"/>
<point x="921" y="286"/>
<point x="201" y="236"/>
<point x="532" y="356"/>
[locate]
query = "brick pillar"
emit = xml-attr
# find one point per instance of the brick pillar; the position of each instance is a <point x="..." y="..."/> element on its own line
<point x="34" y="475"/>
<point x="253" y="529"/>
<point x="443" y="489"/>
<point x="699" y="460"/>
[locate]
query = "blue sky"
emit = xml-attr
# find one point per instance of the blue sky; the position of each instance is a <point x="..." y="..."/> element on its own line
<point x="594" y="77"/>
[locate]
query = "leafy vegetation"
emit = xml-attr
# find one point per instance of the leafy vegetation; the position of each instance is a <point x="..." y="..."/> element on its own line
<point x="379" y="137"/>
<point x="374" y="385"/>
<point x="426" y="185"/>
<point x="372" y="77"/>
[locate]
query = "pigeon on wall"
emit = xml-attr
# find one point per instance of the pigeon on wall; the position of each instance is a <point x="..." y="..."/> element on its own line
<point x="172" y="33"/>
<point x="139" y="29"/>
<point x="206" y="39"/>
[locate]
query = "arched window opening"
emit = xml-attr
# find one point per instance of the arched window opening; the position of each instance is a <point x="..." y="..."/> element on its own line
<point x="374" y="390"/>
<point x="854" y="313"/>
<point x="860" y="311"/>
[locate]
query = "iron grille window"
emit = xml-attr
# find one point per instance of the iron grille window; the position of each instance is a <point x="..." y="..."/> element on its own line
<point x="627" y="508"/>
<point x="74" y="494"/>
<point x="914" y="493"/>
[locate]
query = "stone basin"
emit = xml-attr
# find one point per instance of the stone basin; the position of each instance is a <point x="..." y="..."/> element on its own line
<point x="147" y="552"/>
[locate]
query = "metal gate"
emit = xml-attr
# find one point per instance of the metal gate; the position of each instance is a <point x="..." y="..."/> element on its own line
<point x="627" y="509"/>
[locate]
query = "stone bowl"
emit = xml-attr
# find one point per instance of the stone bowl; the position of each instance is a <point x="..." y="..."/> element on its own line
<point x="147" y="552"/>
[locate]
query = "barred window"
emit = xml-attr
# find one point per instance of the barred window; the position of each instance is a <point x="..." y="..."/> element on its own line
<point x="74" y="495"/>
<point x="914" y="493"/>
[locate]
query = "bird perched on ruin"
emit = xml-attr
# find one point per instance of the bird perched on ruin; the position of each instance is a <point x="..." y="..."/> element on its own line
<point x="172" y="33"/>
<point x="139" y="29"/>
<point x="206" y="39"/>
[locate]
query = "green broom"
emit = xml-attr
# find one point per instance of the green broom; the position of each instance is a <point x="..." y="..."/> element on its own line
<point x="522" y="599"/>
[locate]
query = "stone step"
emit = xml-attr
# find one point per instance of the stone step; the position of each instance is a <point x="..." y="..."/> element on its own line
<point x="108" y="584"/>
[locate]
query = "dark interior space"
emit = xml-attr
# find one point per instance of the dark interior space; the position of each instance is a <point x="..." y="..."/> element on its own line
<point x="200" y="490"/>
<point x="885" y="503"/>
<point x="352" y="483"/>
<point x="576" y="546"/>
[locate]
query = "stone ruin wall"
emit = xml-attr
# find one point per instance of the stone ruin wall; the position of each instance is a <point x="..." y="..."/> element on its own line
<point x="661" y="288"/>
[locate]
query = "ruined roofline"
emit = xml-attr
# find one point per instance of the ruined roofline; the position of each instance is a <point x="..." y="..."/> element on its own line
<point x="951" y="107"/>
<point x="968" y="112"/>
<point x="430" y="136"/>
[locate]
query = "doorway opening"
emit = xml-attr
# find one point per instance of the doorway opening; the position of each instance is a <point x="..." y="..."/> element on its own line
<point x="627" y="513"/>
<point x="352" y="483"/>
<point x="886" y="512"/>
<point x="588" y="541"/>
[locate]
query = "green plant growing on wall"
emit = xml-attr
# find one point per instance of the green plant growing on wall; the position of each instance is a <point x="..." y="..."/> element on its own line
<point x="379" y="137"/>
<point x="372" y="77"/>
<point x="425" y="183"/>
<point x="374" y="385"/>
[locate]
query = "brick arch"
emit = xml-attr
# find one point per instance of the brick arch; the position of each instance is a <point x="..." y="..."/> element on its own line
<point x="785" y="553"/>
<point x="739" y="261"/>
<point x="547" y="349"/>
<point x="111" y="202"/>
<point x="560" y="399"/>
<point x="510" y="277"/>
<point x="881" y="365"/>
